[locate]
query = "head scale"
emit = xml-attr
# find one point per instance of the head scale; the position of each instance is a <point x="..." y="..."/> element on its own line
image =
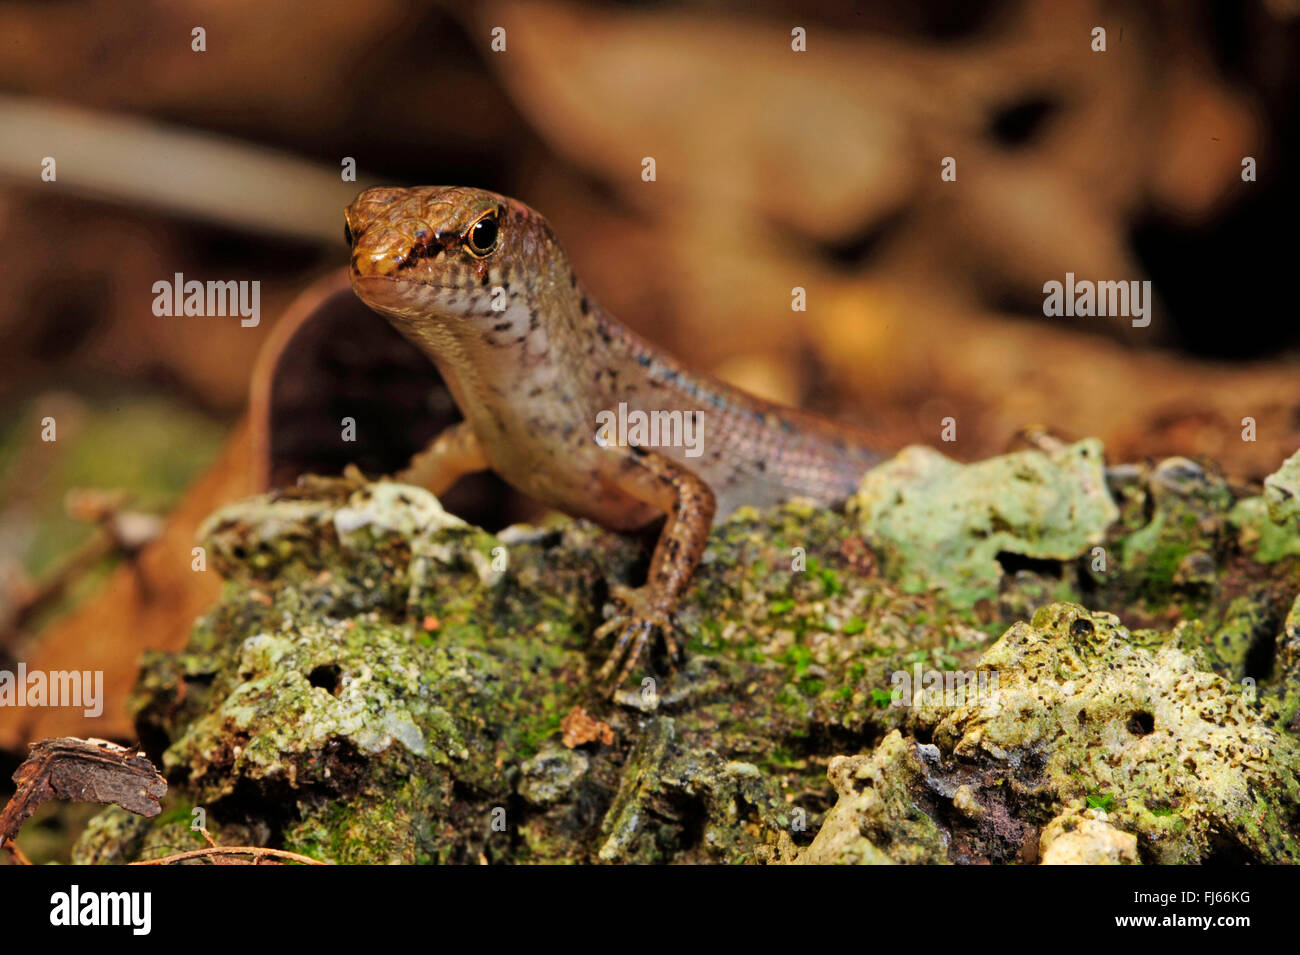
<point x="445" y="253"/>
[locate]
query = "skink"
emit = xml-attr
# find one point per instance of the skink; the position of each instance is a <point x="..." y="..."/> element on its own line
<point x="560" y="400"/>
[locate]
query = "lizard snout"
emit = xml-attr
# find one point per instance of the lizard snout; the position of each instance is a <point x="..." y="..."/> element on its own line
<point x="365" y="209"/>
<point x="371" y="260"/>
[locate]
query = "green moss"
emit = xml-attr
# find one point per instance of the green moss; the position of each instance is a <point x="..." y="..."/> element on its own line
<point x="1103" y="801"/>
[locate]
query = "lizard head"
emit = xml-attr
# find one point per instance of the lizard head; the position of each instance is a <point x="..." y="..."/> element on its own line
<point x="446" y="254"/>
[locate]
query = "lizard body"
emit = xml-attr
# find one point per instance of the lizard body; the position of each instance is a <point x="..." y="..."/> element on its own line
<point x="481" y="285"/>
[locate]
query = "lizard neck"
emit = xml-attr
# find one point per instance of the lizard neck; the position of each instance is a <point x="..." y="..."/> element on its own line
<point x="514" y="371"/>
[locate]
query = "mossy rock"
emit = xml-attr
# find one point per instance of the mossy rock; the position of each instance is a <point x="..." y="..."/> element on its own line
<point x="381" y="682"/>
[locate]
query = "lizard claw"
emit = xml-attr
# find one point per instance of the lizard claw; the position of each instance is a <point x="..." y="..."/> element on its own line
<point x="636" y="625"/>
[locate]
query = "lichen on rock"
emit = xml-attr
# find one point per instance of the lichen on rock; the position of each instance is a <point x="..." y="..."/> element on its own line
<point x="1080" y="836"/>
<point x="876" y="820"/>
<point x="1269" y="524"/>
<point x="936" y="523"/>
<point x="1180" y="759"/>
<point x="1282" y="493"/>
<point x="381" y="682"/>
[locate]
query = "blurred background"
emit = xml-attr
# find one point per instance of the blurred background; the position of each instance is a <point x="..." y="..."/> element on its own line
<point x="775" y="169"/>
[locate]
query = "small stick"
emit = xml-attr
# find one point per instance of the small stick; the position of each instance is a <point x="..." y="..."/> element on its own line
<point x="17" y="853"/>
<point x="255" y="851"/>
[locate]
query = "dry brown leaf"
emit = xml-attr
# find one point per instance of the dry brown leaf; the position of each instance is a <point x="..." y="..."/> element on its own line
<point x="82" y="770"/>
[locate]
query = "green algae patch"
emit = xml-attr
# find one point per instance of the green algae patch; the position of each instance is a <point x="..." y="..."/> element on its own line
<point x="939" y="524"/>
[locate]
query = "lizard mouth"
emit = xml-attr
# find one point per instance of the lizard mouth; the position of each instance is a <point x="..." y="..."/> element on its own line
<point x="406" y="281"/>
<point x="403" y="295"/>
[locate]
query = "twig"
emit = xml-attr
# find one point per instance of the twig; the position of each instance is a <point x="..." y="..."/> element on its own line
<point x="256" y="851"/>
<point x="17" y="853"/>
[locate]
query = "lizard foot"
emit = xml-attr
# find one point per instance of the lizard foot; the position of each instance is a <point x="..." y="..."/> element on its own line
<point x="636" y="624"/>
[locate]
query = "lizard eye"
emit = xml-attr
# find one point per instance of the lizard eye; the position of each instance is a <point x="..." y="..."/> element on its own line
<point x="482" y="237"/>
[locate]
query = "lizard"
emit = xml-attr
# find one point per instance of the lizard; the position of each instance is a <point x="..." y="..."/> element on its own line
<point x="480" y="284"/>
